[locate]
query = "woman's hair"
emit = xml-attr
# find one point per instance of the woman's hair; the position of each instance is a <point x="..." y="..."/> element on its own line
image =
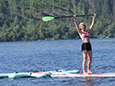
<point x="82" y="24"/>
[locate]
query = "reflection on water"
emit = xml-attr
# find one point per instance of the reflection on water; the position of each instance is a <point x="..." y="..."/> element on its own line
<point x="88" y="81"/>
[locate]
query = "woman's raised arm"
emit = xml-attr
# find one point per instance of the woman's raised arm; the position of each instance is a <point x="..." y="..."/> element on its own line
<point x="92" y="24"/>
<point x="76" y="25"/>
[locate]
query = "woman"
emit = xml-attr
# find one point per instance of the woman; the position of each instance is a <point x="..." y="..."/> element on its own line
<point x="86" y="46"/>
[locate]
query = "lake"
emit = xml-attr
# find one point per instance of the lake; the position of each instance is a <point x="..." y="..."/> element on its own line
<point x="58" y="54"/>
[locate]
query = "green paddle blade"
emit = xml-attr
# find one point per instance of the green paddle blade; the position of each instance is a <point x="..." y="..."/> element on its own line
<point x="47" y="18"/>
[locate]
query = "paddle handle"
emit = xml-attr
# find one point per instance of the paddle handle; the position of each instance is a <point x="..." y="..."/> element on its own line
<point x="76" y="16"/>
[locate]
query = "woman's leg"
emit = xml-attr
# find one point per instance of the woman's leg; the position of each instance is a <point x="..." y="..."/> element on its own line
<point x="89" y="53"/>
<point x="84" y="60"/>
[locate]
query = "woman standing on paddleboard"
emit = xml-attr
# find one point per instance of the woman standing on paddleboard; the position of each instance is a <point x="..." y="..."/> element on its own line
<point x="86" y="46"/>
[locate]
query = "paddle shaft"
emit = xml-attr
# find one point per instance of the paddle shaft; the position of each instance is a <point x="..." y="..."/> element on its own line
<point x="48" y="18"/>
<point x="76" y="16"/>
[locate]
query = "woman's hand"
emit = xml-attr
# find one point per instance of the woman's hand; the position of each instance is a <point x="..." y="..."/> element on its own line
<point x="74" y="16"/>
<point x="94" y="15"/>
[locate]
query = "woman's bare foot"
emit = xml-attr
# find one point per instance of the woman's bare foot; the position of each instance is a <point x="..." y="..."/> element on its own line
<point x="84" y="73"/>
<point x="89" y="72"/>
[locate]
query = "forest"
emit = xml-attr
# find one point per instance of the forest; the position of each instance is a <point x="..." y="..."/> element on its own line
<point x="20" y="20"/>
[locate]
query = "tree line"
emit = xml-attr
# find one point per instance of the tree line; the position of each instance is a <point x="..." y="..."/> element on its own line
<point x="20" y="20"/>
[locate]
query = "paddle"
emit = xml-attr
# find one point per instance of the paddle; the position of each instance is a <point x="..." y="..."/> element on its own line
<point x="48" y="18"/>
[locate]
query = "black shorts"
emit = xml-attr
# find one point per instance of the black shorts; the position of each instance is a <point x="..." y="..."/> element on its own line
<point x="86" y="46"/>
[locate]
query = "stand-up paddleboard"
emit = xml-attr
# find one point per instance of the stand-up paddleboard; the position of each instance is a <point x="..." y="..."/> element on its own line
<point x="36" y="74"/>
<point x="60" y="71"/>
<point x="82" y="75"/>
<point x="49" y="73"/>
<point x="24" y="75"/>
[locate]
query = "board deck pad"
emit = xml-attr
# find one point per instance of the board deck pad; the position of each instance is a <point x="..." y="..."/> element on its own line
<point x="87" y="75"/>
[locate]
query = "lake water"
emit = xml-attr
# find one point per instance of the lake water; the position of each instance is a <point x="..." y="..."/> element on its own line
<point x="58" y="54"/>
